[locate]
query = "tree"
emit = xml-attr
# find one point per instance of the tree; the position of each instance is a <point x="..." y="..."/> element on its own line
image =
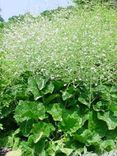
<point x="111" y="2"/>
<point x="1" y="19"/>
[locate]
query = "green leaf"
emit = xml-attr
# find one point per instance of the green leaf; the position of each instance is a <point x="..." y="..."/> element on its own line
<point x="88" y="137"/>
<point x="6" y="100"/>
<point x="51" y="98"/>
<point x="33" y="88"/>
<point x="19" y="91"/>
<point x="97" y="106"/>
<point x="83" y="101"/>
<point x="107" y="145"/>
<point x="67" y="151"/>
<point x="56" y="111"/>
<point x="13" y="140"/>
<point x="112" y="134"/>
<point x="115" y="113"/>
<point x="51" y="150"/>
<point x="113" y="106"/>
<point x="1" y="126"/>
<point x="49" y="88"/>
<point x="96" y="125"/>
<point x="58" y="84"/>
<point x="26" y="127"/>
<point x="68" y="93"/>
<point x="40" y="130"/>
<point x="26" y="110"/>
<point x="114" y="89"/>
<point x="109" y="118"/>
<point x="41" y="81"/>
<point x="39" y="147"/>
<point x="71" y="122"/>
<point x="26" y="149"/>
<point x="114" y="96"/>
<point x="58" y="147"/>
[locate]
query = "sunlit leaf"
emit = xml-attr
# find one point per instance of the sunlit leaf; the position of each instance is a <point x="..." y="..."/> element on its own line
<point x="33" y="88"/>
<point x="40" y="81"/>
<point x="71" y="122"/>
<point x="83" y="101"/>
<point x="109" y="118"/>
<point x="29" y="110"/>
<point x="107" y="145"/>
<point x="49" y="88"/>
<point x="40" y="130"/>
<point x="68" y="93"/>
<point x="56" y="111"/>
<point x="88" y="137"/>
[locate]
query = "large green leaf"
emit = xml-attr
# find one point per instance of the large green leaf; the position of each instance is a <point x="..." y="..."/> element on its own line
<point x="109" y="118"/>
<point x="71" y="122"/>
<point x="56" y="111"/>
<point x="88" y="137"/>
<point x="26" y="127"/>
<point x="96" y="125"/>
<point x="41" y="81"/>
<point x="41" y="130"/>
<point x="39" y="147"/>
<point x="33" y="88"/>
<point x="29" y="110"/>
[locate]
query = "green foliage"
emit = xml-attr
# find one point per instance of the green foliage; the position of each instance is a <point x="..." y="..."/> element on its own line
<point x="66" y="124"/>
<point x="111" y="3"/>
<point x="85" y="50"/>
<point x="58" y="87"/>
<point x="29" y="110"/>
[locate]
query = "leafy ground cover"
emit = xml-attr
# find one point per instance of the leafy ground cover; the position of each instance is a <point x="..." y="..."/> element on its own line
<point x="59" y="82"/>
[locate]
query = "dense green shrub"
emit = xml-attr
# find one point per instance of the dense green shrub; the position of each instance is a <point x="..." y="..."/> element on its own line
<point x="47" y="116"/>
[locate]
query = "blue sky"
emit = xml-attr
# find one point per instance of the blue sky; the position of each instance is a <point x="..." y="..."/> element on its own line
<point x="16" y="7"/>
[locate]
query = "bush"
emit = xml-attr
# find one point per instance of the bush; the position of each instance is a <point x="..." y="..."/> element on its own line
<point x="48" y="116"/>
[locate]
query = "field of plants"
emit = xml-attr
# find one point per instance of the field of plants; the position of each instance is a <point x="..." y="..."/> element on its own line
<point x="58" y="87"/>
